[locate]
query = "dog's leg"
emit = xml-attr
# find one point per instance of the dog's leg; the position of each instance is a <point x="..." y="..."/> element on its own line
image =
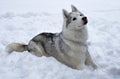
<point x="36" y="49"/>
<point x="90" y="62"/>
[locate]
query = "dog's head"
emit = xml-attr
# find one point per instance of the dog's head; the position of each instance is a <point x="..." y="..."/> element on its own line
<point x="74" y="20"/>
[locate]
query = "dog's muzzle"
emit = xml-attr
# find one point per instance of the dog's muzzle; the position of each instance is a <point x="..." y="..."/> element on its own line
<point x="85" y="21"/>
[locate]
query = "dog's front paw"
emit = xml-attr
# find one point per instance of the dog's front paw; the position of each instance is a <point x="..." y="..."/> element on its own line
<point x="94" y="66"/>
<point x="80" y="67"/>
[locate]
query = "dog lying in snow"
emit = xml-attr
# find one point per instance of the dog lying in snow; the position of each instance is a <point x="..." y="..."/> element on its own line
<point x="69" y="47"/>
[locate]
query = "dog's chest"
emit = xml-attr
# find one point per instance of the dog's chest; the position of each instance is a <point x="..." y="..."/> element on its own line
<point x="77" y="51"/>
<point x="75" y="56"/>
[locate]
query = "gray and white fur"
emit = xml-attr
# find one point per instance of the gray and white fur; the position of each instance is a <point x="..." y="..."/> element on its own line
<point x="69" y="47"/>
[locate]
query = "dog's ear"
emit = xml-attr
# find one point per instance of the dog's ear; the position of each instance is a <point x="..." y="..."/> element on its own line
<point x="74" y="9"/>
<point x="65" y="13"/>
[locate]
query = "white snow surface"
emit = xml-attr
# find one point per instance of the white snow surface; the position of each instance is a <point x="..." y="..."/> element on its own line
<point x="21" y="20"/>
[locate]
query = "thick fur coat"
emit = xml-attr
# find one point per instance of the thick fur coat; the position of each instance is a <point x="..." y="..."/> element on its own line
<point x="69" y="47"/>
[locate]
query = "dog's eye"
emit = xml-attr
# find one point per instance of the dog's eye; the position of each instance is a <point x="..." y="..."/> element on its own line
<point x="74" y="19"/>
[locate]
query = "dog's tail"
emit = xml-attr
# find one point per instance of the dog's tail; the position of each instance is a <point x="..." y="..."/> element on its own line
<point x="16" y="47"/>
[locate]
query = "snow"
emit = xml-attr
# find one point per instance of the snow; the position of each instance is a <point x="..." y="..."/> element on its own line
<point x="22" y="20"/>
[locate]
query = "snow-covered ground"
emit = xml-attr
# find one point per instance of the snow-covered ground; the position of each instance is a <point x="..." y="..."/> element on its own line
<point x="21" y="20"/>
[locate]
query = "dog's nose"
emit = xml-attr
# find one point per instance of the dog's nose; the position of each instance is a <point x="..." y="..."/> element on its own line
<point x="85" y="20"/>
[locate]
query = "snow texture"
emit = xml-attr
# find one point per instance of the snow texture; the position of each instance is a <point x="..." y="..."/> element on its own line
<point x="21" y="20"/>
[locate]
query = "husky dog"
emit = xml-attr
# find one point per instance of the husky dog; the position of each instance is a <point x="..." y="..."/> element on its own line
<point x="69" y="47"/>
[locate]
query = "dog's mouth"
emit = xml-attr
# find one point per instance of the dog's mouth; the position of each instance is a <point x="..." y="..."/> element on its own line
<point x="85" y="21"/>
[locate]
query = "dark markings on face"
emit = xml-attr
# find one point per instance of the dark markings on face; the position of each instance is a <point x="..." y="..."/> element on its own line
<point x="68" y="20"/>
